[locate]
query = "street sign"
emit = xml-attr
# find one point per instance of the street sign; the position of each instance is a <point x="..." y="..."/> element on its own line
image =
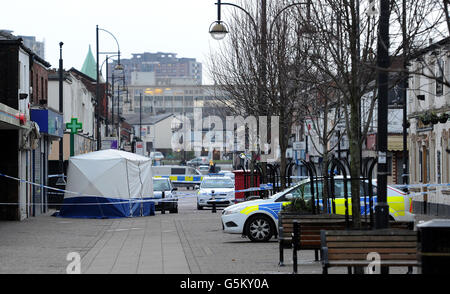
<point x="74" y="126"/>
<point x="297" y="146"/>
<point x="140" y="148"/>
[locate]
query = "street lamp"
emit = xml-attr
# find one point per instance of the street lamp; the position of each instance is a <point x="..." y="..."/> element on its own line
<point x="61" y="180"/>
<point x="218" y="31"/>
<point x="97" y="88"/>
<point x="117" y="67"/>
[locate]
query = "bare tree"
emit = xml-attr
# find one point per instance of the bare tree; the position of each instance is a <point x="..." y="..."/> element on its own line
<point x="257" y="66"/>
<point x="343" y="49"/>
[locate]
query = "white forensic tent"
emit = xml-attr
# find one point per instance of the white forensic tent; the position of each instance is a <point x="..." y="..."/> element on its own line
<point x="108" y="184"/>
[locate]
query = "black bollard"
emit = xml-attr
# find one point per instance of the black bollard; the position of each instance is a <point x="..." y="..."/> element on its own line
<point x="295" y="241"/>
<point x="214" y="202"/>
<point x="163" y="210"/>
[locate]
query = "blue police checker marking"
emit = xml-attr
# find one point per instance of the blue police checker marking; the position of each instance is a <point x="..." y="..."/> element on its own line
<point x="272" y="208"/>
<point x="365" y="209"/>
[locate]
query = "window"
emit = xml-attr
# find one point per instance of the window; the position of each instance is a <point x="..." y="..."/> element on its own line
<point x="438" y="167"/>
<point x="439" y="77"/>
<point x="178" y="171"/>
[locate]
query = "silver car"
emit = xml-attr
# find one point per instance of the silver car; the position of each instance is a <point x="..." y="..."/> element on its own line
<point x="170" y="201"/>
<point x="218" y="190"/>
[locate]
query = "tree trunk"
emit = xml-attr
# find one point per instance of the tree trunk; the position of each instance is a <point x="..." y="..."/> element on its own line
<point x="325" y="182"/>
<point x="355" y="163"/>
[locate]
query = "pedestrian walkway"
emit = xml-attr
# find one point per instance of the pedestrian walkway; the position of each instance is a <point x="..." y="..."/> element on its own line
<point x="135" y="245"/>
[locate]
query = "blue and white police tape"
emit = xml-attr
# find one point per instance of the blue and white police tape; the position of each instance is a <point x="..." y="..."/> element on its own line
<point x="421" y="185"/>
<point x="143" y="199"/>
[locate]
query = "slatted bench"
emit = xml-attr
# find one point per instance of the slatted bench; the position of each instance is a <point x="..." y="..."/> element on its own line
<point x="310" y="241"/>
<point x="348" y="248"/>
<point x="306" y="233"/>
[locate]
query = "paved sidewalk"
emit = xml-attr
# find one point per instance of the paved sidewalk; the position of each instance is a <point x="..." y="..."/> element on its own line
<point x="190" y="242"/>
<point x="139" y="245"/>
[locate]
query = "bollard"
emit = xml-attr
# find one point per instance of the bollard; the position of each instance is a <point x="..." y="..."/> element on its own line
<point x="163" y="210"/>
<point x="214" y="202"/>
<point x="295" y="241"/>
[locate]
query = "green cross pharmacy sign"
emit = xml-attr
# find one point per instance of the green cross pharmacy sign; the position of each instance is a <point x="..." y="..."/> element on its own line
<point x="74" y="126"/>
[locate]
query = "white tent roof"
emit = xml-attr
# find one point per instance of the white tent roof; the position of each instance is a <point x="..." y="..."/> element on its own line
<point x="110" y="173"/>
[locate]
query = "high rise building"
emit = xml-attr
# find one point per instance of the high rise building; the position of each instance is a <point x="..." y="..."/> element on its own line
<point x="161" y="69"/>
<point x="36" y="46"/>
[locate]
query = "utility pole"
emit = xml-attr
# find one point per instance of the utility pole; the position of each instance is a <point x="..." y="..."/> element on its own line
<point x="107" y="99"/>
<point x="404" y="87"/>
<point x="140" y="116"/>
<point x="382" y="207"/>
<point x="112" y="102"/>
<point x="61" y="110"/>
<point x="97" y="93"/>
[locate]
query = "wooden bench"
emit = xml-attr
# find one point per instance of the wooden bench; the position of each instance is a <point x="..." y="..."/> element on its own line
<point x="348" y="248"/>
<point x="306" y="233"/>
<point x="311" y="241"/>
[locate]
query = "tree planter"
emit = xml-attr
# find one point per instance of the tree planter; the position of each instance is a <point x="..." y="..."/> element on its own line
<point x="434" y="119"/>
<point x="443" y="118"/>
<point x="425" y="119"/>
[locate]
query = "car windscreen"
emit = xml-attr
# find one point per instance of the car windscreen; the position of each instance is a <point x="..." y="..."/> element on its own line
<point x="161" y="185"/>
<point x="217" y="183"/>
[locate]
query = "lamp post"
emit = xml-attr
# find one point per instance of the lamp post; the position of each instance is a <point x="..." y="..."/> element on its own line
<point x="117" y="67"/>
<point x="218" y="31"/>
<point x="382" y="207"/>
<point x="97" y="87"/>
<point x="61" y="180"/>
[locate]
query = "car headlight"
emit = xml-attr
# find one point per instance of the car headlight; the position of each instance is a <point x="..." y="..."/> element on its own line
<point x="230" y="211"/>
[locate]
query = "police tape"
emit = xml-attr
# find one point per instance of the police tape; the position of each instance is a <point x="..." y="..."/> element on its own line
<point x="130" y="201"/>
<point x="421" y="186"/>
<point x="427" y="192"/>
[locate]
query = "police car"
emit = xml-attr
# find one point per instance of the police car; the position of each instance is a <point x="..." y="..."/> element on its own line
<point x="257" y="219"/>
<point x="215" y="189"/>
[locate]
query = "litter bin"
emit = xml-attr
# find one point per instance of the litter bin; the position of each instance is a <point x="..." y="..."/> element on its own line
<point x="434" y="246"/>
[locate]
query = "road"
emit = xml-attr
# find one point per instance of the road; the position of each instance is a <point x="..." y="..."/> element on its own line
<point x="190" y="242"/>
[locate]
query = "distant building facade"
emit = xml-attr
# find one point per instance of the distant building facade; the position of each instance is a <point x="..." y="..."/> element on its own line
<point x="174" y="99"/>
<point x="36" y="46"/>
<point x="167" y="69"/>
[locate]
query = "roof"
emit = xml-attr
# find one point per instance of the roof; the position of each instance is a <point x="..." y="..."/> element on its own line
<point x="431" y="47"/>
<point x="90" y="65"/>
<point x="6" y="36"/>
<point x="133" y="119"/>
<point x="110" y="154"/>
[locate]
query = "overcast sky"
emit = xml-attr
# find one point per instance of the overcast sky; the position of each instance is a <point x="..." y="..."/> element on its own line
<point x="176" y="26"/>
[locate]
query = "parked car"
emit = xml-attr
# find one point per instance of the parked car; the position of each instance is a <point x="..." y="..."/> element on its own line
<point x="226" y="173"/>
<point x="220" y="189"/>
<point x="204" y="169"/>
<point x="161" y="185"/>
<point x="156" y="155"/>
<point x="257" y="219"/>
<point x="180" y="175"/>
<point x="203" y="160"/>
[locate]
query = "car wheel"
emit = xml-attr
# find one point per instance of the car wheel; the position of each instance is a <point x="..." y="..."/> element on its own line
<point x="199" y="207"/>
<point x="259" y="228"/>
<point x="174" y="210"/>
